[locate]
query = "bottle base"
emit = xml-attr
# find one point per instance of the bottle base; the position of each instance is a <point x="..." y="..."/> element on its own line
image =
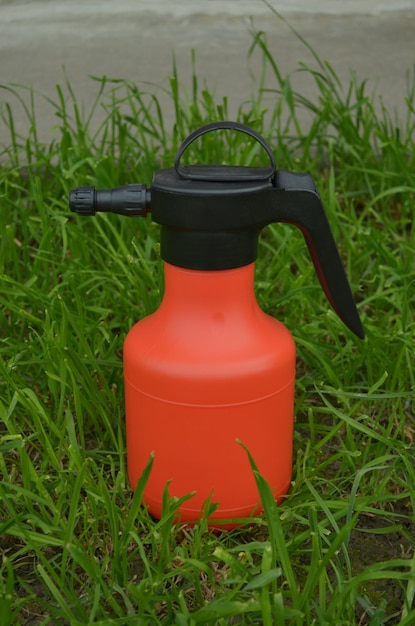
<point x="221" y="519"/>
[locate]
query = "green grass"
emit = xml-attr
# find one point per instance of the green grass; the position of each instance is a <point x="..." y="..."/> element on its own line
<point x="77" y="547"/>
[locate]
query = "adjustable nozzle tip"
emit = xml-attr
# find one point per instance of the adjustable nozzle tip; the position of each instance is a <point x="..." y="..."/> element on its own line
<point x="82" y="200"/>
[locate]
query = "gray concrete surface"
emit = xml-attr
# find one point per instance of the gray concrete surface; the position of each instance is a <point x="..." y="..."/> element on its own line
<point x="40" y="42"/>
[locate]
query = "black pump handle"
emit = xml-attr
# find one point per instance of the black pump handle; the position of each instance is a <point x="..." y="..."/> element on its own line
<point x="224" y="173"/>
<point x="297" y="202"/>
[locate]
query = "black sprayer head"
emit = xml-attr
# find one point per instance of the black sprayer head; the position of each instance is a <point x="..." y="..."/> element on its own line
<point x="211" y="215"/>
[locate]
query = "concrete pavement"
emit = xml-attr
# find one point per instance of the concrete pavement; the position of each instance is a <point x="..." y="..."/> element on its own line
<point x="136" y="41"/>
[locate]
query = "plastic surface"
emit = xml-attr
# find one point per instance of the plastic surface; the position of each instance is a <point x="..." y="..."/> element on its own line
<point x="208" y="368"/>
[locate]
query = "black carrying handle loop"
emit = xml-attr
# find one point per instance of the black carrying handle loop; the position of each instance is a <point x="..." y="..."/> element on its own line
<point x="224" y="173"/>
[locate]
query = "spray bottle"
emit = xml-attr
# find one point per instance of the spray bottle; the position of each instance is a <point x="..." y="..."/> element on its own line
<point x="209" y="368"/>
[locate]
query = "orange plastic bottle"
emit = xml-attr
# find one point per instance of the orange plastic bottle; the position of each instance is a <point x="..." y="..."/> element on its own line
<point x="209" y="368"/>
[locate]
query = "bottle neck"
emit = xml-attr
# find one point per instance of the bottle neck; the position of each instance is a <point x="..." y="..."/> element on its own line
<point x="210" y="291"/>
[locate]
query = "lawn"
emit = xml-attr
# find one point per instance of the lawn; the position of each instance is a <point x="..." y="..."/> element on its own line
<point x="77" y="546"/>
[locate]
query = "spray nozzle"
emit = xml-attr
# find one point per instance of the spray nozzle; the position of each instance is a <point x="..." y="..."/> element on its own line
<point x="131" y="200"/>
